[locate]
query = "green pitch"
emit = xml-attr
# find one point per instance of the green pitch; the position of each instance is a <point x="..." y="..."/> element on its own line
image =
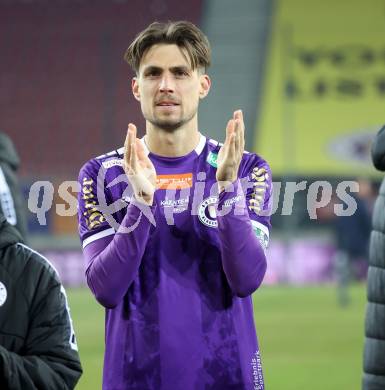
<point x="307" y="341"/>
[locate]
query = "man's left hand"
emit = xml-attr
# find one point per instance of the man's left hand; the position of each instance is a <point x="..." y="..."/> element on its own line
<point x="230" y="154"/>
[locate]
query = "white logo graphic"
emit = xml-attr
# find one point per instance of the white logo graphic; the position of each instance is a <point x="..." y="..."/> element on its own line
<point x="112" y="163"/>
<point x="3" y="294"/>
<point x="207" y="212"/>
<point x="177" y="205"/>
<point x="257" y="372"/>
<point x="6" y="200"/>
<point x="262" y="233"/>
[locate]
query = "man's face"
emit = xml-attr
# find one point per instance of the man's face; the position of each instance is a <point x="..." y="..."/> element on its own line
<point x="167" y="88"/>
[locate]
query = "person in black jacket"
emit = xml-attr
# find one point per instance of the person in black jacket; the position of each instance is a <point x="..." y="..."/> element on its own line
<point x="38" y="348"/>
<point x="374" y="350"/>
<point x="352" y="235"/>
<point x="11" y="203"/>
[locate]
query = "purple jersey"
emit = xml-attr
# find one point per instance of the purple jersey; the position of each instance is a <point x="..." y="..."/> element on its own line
<point x="179" y="324"/>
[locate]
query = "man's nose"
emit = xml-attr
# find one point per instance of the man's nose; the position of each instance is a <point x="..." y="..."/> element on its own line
<point x="166" y="84"/>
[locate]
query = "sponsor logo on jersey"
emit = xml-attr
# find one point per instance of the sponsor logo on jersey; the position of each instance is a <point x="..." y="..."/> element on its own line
<point x="178" y="205"/>
<point x="3" y="294"/>
<point x="212" y="159"/>
<point x="256" y="366"/>
<point x="231" y="201"/>
<point x="207" y="212"/>
<point x="112" y="163"/>
<point x="174" y="182"/>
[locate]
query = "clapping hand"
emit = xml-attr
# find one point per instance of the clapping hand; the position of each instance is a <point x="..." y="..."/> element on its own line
<point x="138" y="167"/>
<point x="230" y="154"/>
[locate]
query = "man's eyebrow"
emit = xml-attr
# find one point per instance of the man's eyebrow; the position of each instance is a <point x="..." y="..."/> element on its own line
<point x="173" y="68"/>
<point x="180" y="67"/>
<point x="152" y="68"/>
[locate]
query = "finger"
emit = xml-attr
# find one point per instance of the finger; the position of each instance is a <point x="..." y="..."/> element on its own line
<point x="143" y="159"/>
<point x="133" y="155"/>
<point x="140" y="150"/>
<point x="132" y="127"/>
<point x="127" y="143"/>
<point x="133" y="159"/>
<point x="242" y="135"/>
<point x="238" y="115"/>
<point x="241" y="132"/>
<point x="229" y="131"/>
<point x="232" y="149"/>
<point x="237" y="140"/>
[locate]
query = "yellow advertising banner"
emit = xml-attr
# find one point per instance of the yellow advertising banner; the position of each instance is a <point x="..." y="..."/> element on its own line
<point x="324" y="91"/>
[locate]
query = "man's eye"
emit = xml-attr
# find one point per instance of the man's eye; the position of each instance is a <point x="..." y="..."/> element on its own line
<point x="152" y="73"/>
<point x="181" y="73"/>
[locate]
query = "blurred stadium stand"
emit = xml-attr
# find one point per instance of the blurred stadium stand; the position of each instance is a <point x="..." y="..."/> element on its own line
<point x="65" y="91"/>
<point x="239" y="43"/>
<point x="65" y="88"/>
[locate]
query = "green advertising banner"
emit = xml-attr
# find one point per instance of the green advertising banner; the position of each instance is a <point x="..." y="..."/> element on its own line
<point x="324" y="92"/>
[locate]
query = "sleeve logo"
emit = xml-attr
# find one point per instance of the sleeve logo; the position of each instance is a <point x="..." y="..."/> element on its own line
<point x="259" y="177"/>
<point x="262" y="233"/>
<point x="93" y="216"/>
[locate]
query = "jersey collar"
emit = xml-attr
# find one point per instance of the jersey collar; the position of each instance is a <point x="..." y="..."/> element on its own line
<point x="198" y="150"/>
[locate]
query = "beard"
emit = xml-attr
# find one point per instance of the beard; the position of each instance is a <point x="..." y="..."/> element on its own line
<point x="170" y="125"/>
<point x="167" y="125"/>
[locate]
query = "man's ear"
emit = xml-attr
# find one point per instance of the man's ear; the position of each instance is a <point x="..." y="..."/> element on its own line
<point x="135" y="88"/>
<point x="205" y="84"/>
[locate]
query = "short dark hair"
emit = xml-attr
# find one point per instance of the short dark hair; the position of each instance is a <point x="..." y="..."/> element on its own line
<point x="184" y="34"/>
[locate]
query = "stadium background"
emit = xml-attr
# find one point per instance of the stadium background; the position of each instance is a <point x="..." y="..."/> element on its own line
<point x="310" y="77"/>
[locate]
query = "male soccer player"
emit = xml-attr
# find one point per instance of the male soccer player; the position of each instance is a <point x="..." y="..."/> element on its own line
<point x="174" y="231"/>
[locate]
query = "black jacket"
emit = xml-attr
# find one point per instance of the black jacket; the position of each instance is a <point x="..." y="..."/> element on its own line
<point x="374" y="351"/>
<point x="37" y="345"/>
<point x="11" y="203"/>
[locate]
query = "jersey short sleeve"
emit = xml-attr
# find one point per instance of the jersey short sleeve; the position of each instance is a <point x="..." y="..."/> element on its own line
<point x="92" y="222"/>
<point x="257" y="180"/>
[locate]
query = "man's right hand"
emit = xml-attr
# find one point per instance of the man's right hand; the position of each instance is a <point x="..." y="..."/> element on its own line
<point x="139" y="168"/>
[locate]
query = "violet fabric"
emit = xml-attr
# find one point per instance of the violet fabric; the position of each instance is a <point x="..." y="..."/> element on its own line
<point x="177" y="288"/>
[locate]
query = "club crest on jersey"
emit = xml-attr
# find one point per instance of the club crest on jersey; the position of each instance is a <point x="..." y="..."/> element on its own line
<point x="3" y="294"/>
<point x="207" y="212"/>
